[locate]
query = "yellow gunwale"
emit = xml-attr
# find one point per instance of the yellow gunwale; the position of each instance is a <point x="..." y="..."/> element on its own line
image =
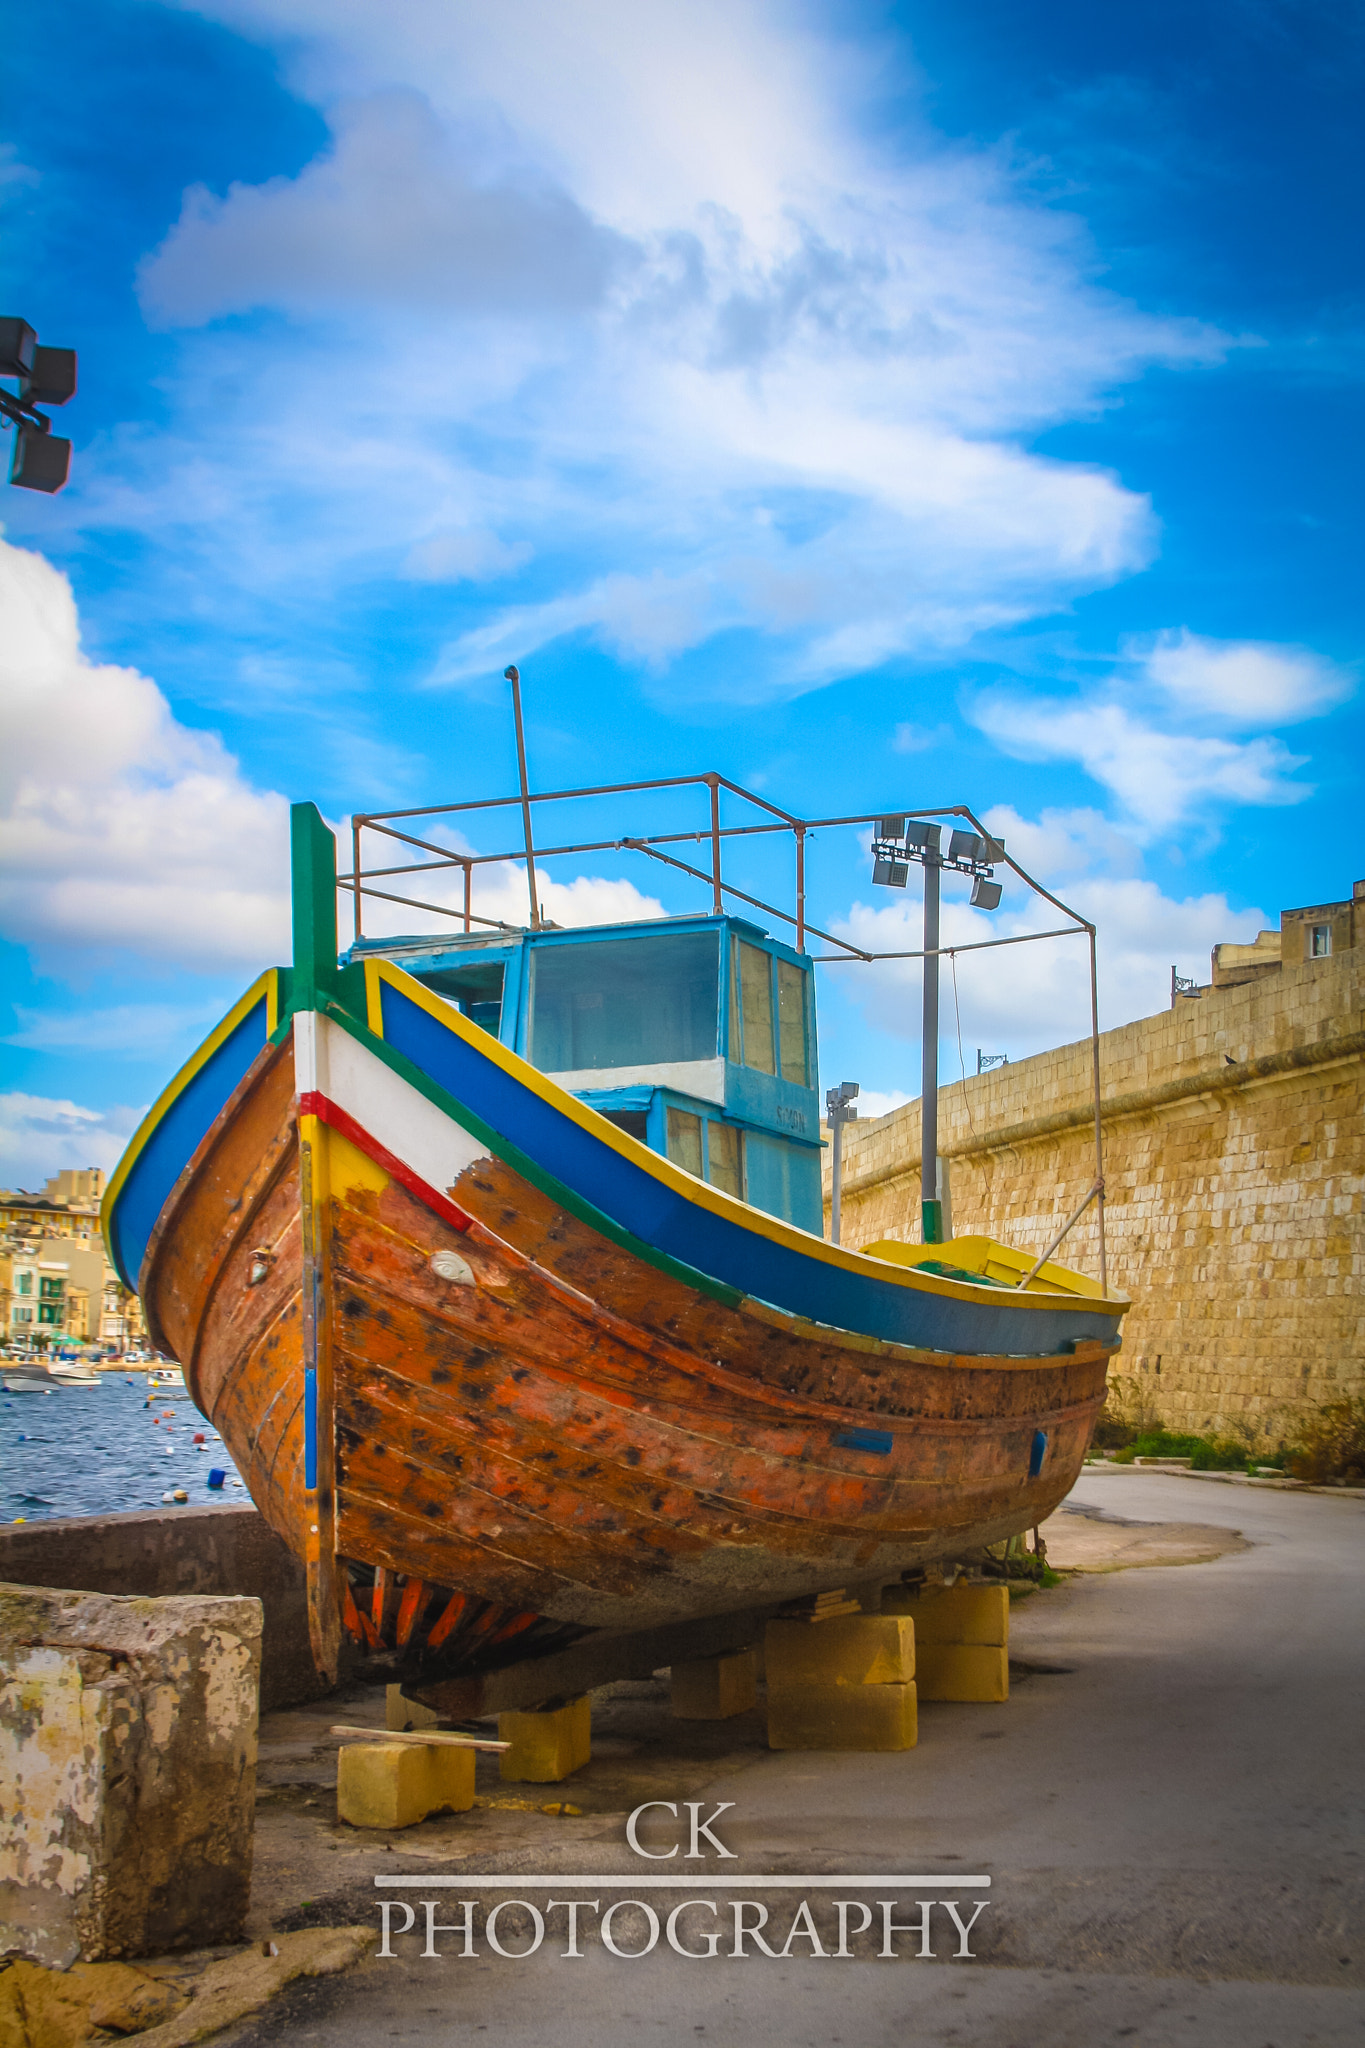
<point x="268" y="986"/>
<point x="698" y="1192"/>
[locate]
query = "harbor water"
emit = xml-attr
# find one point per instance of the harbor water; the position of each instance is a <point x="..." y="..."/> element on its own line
<point x="105" y="1450"/>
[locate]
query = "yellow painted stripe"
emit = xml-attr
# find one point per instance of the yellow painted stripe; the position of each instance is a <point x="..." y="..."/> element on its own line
<point x="698" y="1192"/>
<point x="268" y="986"/>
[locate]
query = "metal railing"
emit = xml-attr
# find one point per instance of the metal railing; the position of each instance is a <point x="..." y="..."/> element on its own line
<point x="715" y="835"/>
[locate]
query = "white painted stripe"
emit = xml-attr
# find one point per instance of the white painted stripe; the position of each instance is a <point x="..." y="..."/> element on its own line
<point x="677" y="1881"/>
<point x="435" y="1147"/>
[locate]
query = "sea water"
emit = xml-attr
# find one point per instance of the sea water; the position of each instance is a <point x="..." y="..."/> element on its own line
<point x="106" y="1449"/>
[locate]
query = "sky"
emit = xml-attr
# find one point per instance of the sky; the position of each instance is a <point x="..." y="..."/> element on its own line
<point x="884" y="405"/>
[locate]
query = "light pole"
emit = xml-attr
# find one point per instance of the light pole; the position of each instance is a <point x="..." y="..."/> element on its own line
<point x="898" y="842"/>
<point x="838" y="1112"/>
<point x="45" y="376"/>
<point x="513" y="676"/>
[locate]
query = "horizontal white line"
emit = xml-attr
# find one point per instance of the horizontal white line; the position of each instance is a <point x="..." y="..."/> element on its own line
<point x="677" y="1881"/>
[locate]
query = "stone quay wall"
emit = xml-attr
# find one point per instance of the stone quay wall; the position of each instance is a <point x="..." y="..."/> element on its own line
<point x="1234" y="1165"/>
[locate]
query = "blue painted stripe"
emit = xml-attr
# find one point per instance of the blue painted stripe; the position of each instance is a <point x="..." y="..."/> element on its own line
<point x="720" y="1246"/>
<point x="171" y="1145"/>
<point x="310" y="1429"/>
<point x="879" y="1440"/>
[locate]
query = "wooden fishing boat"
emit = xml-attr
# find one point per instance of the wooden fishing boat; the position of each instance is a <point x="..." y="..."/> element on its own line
<point x="502" y="1372"/>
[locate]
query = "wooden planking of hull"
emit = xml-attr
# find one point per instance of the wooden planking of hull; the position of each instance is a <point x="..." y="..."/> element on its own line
<point x="522" y="1410"/>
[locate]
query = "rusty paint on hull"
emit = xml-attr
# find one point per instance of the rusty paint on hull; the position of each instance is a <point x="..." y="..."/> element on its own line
<point x="561" y="1433"/>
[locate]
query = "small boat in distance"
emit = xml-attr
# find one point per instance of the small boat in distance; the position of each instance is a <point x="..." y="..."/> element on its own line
<point x="497" y="1262"/>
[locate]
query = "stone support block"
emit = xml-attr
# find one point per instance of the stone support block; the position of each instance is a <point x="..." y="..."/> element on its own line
<point x="548" y="1743"/>
<point x="856" y="1717"/>
<point x="714" y="1688"/>
<point x="127" y="1772"/>
<point x="953" y="1614"/>
<point x="963" y="1671"/>
<point x="851" y="1650"/>
<point x="395" y="1784"/>
<point x="401" y="1713"/>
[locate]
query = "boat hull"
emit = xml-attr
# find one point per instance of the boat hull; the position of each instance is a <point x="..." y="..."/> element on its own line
<point x="427" y="1369"/>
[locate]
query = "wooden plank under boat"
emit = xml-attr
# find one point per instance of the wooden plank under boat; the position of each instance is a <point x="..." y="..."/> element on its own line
<point x="501" y="1374"/>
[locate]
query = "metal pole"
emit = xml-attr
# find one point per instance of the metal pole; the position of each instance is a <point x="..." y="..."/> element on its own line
<point x="931" y="1212"/>
<point x="801" y="894"/>
<point x="717" y="900"/>
<point x="355" y="874"/>
<point x="837" y="1135"/>
<point x="513" y="676"/>
<point x="1099" y="1123"/>
<point x="468" y="894"/>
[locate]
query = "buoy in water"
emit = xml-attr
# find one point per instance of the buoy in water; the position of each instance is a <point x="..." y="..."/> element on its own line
<point x="216" y="1478"/>
<point x="168" y="1498"/>
<point x="180" y="1494"/>
<point x="199" y="1436"/>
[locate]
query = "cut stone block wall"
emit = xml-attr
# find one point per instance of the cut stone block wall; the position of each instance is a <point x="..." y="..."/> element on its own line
<point x="127" y="1772"/>
<point x="229" y="1550"/>
<point x="1234" y="1137"/>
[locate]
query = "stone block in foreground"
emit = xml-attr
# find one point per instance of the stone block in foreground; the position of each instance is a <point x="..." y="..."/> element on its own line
<point x="127" y="1772"/>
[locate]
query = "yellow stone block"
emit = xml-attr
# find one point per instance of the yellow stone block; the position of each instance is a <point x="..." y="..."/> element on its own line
<point x="854" y="1649"/>
<point x="401" y="1712"/>
<point x="963" y="1671"/>
<point x="396" y="1784"/>
<point x="953" y="1614"/>
<point x="867" y="1717"/>
<point x="714" y="1688"/>
<point x="548" y="1743"/>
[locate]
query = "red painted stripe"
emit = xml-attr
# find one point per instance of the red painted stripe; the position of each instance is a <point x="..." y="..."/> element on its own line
<point x="313" y="1103"/>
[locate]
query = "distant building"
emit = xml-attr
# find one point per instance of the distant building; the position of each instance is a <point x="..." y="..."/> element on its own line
<point x="56" y="1280"/>
<point x="1320" y="931"/>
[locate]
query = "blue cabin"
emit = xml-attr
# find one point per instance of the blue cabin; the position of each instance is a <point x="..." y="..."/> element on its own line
<point x="695" y="1035"/>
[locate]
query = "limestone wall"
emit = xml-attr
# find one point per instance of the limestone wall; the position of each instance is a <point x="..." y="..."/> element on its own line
<point x="1234" y="1157"/>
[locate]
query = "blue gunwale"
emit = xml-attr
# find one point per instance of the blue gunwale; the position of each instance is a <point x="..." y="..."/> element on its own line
<point x="639" y="1199"/>
<point x="165" y="1140"/>
<point x="582" y="1158"/>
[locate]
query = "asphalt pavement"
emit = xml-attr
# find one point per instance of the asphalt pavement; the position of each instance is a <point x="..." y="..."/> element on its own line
<point x="1168" y="1808"/>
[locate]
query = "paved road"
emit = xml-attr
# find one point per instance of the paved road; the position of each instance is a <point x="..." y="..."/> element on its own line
<point x="1171" y="1817"/>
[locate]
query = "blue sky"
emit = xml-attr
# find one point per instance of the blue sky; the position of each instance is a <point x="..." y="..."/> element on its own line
<point x="883" y="405"/>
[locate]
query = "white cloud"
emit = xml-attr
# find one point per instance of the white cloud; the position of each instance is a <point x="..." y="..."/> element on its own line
<point x="499" y="894"/>
<point x="875" y="1102"/>
<point x="140" y="1029"/>
<point x="119" y="827"/>
<point x="397" y="215"/>
<point x="1247" y="682"/>
<point x="1160" y="778"/>
<point x="1023" y="999"/>
<point x="39" y="1135"/>
<point x="757" y="324"/>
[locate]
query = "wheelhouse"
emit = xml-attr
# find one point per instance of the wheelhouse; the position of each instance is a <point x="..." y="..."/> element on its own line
<point x="695" y="1035"/>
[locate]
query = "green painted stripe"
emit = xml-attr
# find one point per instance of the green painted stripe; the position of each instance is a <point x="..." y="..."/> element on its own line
<point x="512" y="1156"/>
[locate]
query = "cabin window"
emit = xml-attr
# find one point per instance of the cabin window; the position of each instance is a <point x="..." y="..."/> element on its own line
<point x="475" y="990"/>
<point x="626" y="1003"/>
<point x="634" y="1122"/>
<point x="791" y="1022"/>
<point x="753" y="969"/>
<point x="725" y="1158"/>
<point x="684" y="1140"/>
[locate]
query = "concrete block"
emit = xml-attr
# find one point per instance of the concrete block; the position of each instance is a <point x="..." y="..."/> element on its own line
<point x="402" y="1713"/>
<point x="963" y="1671"/>
<point x="396" y="1784"/>
<point x="855" y="1649"/>
<point x="128" y="1758"/>
<point x="953" y="1614"/>
<point x="548" y="1743"/>
<point x="714" y="1688"/>
<point x="856" y="1717"/>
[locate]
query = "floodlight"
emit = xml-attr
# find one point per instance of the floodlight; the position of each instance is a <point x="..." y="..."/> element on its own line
<point x="966" y="846"/>
<point x="985" y="895"/>
<point x="52" y="379"/>
<point x="41" y="461"/>
<point x="17" y="343"/>
<point x="844" y="1093"/>
<point x="891" y="828"/>
<point x="922" y="835"/>
<point x="995" y="851"/>
<point x="891" y="874"/>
